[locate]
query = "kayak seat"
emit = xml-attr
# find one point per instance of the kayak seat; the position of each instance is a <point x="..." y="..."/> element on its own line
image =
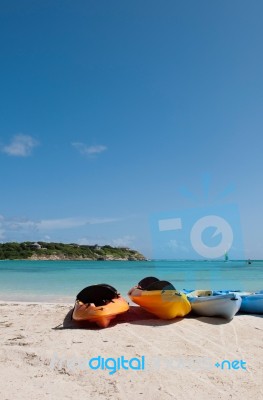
<point x="160" y="285"/>
<point x="97" y="294"/>
<point x="145" y="282"/>
<point x="109" y="287"/>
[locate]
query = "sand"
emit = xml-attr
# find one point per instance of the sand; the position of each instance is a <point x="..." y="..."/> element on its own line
<point x="45" y="355"/>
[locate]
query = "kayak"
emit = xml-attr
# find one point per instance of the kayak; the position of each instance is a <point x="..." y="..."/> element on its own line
<point x="100" y="304"/>
<point x="160" y="298"/>
<point x="252" y="303"/>
<point x="207" y="303"/>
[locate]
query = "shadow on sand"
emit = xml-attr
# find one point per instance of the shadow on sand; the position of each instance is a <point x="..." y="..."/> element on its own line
<point x="135" y="316"/>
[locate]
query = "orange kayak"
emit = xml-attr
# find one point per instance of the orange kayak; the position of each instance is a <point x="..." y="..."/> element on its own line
<point x="161" y="299"/>
<point x="102" y="315"/>
<point x="99" y="304"/>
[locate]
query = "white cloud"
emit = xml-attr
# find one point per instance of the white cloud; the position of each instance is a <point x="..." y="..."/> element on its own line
<point x="63" y="223"/>
<point x="47" y="238"/>
<point x="125" y="241"/>
<point x="25" y="225"/>
<point x="95" y="221"/>
<point x="87" y="242"/>
<point x="89" y="150"/>
<point x="14" y="225"/>
<point x="20" y="146"/>
<point x="173" y="244"/>
<point x="67" y="223"/>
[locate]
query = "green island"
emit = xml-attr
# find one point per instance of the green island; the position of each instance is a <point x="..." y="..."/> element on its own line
<point x="62" y="251"/>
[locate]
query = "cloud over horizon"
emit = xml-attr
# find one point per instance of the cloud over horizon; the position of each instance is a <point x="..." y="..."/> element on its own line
<point x="124" y="241"/>
<point x="25" y="226"/>
<point x="20" y="146"/>
<point x="67" y="223"/>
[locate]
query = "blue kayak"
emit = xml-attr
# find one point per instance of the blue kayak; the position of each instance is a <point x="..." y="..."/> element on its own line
<point x="252" y="303"/>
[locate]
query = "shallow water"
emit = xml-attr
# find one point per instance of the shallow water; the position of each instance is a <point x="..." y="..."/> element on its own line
<point x="60" y="281"/>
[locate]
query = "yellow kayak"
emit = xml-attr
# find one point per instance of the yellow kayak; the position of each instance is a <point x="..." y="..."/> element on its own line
<point x="99" y="304"/>
<point x="160" y="298"/>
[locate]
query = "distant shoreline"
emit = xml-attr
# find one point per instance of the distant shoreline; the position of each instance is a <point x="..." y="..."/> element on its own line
<point x="70" y="259"/>
<point x="66" y="252"/>
<point x="77" y="259"/>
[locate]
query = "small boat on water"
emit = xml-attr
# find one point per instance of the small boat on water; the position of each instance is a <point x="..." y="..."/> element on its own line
<point x="252" y="303"/>
<point x="100" y="304"/>
<point x="160" y="298"/>
<point x="207" y="303"/>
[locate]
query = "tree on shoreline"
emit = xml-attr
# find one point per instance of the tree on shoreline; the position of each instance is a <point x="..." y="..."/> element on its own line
<point x="72" y="251"/>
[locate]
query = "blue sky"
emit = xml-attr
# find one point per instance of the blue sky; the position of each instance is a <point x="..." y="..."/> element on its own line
<point x="110" y="111"/>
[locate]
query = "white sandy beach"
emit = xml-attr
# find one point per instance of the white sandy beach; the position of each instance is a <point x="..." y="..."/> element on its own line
<point x="44" y="355"/>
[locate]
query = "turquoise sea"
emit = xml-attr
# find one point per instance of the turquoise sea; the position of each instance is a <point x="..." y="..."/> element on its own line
<point x="60" y="281"/>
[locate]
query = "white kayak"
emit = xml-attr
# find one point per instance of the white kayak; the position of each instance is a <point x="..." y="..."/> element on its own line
<point x="206" y="304"/>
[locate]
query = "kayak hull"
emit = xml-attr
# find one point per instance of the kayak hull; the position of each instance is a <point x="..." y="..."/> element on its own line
<point x="204" y="303"/>
<point x="101" y="315"/>
<point x="165" y="304"/>
<point x="252" y="303"/>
